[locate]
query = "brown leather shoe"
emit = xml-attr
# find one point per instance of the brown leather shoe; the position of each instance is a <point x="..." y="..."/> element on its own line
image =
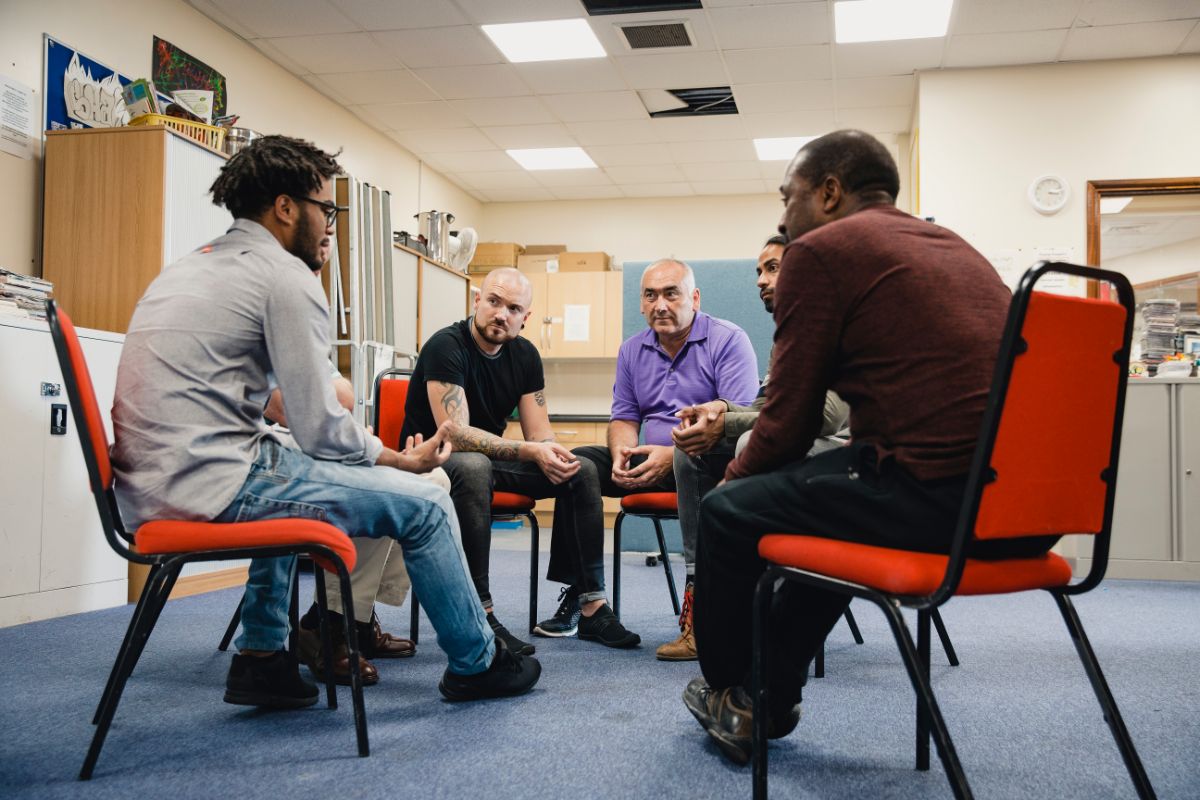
<point x="683" y="648"/>
<point x="378" y="644"/>
<point x="311" y="655"/>
<point x="727" y="716"/>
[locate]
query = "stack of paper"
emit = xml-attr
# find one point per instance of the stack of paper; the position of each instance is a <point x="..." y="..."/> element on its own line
<point x="23" y="295"/>
<point x="1161" y="319"/>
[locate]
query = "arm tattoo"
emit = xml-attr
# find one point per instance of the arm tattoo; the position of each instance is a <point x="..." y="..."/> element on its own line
<point x="454" y="403"/>
<point x="473" y="440"/>
<point x="539" y="398"/>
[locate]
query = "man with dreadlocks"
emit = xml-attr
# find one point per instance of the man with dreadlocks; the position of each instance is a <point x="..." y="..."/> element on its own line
<point x="214" y="334"/>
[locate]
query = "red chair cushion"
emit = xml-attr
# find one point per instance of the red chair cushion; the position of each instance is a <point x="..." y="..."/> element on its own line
<point x="651" y="503"/>
<point x="903" y="572"/>
<point x="176" y="536"/>
<point x="507" y="502"/>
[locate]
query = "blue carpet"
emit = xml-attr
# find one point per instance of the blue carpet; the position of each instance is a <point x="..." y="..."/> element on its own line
<point x="610" y="724"/>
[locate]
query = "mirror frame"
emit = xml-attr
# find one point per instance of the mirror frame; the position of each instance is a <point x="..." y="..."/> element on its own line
<point x="1127" y="188"/>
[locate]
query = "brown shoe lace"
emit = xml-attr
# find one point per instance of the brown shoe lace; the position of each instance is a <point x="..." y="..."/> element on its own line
<point x="685" y="615"/>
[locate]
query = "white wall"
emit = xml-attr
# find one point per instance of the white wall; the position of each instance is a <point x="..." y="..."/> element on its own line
<point x="268" y="98"/>
<point x="985" y="134"/>
<point x="1161" y="262"/>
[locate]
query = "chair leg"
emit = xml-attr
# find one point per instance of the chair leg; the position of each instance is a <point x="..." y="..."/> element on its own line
<point x="925" y="696"/>
<point x="233" y="626"/>
<point x="758" y="683"/>
<point x="414" y="623"/>
<point x="922" y="717"/>
<point x="666" y="562"/>
<point x="138" y="610"/>
<point x="326" y="640"/>
<point x="294" y="607"/>
<point x="534" y="577"/>
<point x="1112" y="715"/>
<point x="356" y="687"/>
<point x="854" y="631"/>
<point x="157" y="590"/>
<point x="616" y="584"/>
<point x="951" y="656"/>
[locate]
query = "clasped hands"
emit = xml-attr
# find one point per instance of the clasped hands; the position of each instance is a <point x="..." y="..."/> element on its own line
<point x="700" y="427"/>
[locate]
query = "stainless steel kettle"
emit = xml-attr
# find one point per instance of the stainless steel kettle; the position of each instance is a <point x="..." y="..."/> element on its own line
<point x="435" y="227"/>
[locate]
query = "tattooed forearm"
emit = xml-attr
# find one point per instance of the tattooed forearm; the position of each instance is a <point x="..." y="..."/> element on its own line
<point x="454" y="403"/>
<point x="474" y="440"/>
<point x="539" y="398"/>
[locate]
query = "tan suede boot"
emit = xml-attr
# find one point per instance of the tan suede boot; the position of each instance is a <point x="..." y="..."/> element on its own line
<point x="683" y="648"/>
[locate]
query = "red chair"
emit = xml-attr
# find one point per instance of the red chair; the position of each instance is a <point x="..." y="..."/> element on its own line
<point x="166" y="545"/>
<point x="656" y="507"/>
<point x="391" y="392"/>
<point x="1062" y="369"/>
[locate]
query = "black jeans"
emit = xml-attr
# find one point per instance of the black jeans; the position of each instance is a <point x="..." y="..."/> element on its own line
<point x="841" y="494"/>
<point x="578" y="534"/>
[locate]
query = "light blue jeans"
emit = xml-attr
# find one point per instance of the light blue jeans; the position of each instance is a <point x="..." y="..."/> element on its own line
<point x="362" y="501"/>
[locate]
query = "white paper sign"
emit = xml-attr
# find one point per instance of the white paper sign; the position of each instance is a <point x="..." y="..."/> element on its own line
<point x="16" y="118"/>
<point x="576" y="323"/>
<point x="1057" y="283"/>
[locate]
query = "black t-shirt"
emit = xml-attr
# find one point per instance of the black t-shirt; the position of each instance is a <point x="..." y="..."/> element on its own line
<point x="493" y="384"/>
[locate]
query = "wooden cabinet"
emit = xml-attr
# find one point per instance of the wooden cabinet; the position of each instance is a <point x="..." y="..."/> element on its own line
<point x="575" y="315"/>
<point x="120" y="204"/>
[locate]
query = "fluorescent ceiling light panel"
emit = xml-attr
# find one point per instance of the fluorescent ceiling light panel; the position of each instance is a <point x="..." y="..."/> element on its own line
<point x="552" y="158"/>
<point x="780" y="148"/>
<point x="552" y="40"/>
<point x="889" y="20"/>
<point x="1114" y="205"/>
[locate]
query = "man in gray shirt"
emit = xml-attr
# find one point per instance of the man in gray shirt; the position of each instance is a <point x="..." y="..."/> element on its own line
<point x="191" y="443"/>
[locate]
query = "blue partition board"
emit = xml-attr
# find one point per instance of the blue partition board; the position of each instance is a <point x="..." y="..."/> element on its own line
<point x="727" y="291"/>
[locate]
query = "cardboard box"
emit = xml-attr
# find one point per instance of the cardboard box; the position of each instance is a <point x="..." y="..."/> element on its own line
<point x="544" y="249"/>
<point x="489" y="255"/>
<point x="546" y="262"/>
<point x="582" y="262"/>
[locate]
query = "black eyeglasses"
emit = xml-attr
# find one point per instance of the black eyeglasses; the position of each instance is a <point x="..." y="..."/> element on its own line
<point x="331" y="210"/>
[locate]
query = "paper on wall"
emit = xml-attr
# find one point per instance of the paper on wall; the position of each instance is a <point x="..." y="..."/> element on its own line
<point x="576" y="323"/>
<point x="1056" y="282"/>
<point x="16" y="118"/>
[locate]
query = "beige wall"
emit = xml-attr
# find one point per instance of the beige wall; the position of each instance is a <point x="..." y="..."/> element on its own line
<point x="268" y="98"/>
<point x="985" y="134"/>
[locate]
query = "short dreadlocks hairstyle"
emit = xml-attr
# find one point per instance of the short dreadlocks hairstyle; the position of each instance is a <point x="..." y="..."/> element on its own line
<point x="858" y="160"/>
<point x="270" y="166"/>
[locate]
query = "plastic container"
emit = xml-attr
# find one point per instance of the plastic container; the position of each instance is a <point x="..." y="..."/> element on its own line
<point x="207" y="135"/>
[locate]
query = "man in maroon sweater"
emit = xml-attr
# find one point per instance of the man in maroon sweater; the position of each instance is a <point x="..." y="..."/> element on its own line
<point x="903" y="320"/>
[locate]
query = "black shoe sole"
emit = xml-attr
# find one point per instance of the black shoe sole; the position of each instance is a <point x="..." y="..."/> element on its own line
<point x="630" y="641"/>
<point x="240" y="697"/>
<point x="457" y="696"/>
<point x="736" y="750"/>
<point x="539" y="631"/>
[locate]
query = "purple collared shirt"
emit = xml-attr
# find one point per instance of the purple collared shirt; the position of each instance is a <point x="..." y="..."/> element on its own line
<point x="716" y="361"/>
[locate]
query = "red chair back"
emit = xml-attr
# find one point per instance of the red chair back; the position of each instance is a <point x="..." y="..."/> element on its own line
<point x="391" y="392"/>
<point x="82" y="396"/>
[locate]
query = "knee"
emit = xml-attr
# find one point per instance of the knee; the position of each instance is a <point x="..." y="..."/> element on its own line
<point x="471" y="471"/>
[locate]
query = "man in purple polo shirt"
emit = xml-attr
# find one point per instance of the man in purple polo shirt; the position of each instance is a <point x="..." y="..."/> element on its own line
<point x="684" y="358"/>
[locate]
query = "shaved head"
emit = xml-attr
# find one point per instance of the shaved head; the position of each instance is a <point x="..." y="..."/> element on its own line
<point x="511" y="279"/>
<point x="501" y="308"/>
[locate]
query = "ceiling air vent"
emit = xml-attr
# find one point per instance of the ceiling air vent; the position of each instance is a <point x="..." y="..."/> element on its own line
<point x="600" y="7"/>
<point x="644" y="36"/>
<point x="708" y="101"/>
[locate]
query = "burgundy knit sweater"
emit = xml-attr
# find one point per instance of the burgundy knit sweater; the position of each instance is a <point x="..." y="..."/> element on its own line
<point x="900" y="317"/>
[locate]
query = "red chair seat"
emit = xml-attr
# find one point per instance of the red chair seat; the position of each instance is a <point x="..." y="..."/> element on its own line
<point x="510" y="502"/>
<point x="651" y="503"/>
<point x="913" y="574"/>
<point x="177" y="536"/>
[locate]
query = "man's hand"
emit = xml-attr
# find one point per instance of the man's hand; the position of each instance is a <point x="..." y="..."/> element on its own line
<point x="423" y="456"/>
<point x="556" y="462"/>
<point x="649" y="473"/>
<point x="700" y="427"/>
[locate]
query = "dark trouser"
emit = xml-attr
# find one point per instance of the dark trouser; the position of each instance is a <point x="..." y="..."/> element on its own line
<point x="841" y="494"/>
<point x="578" y="517"/>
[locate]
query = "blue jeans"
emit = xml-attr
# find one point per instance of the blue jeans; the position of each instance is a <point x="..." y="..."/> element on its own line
<point x="362" y="501"/>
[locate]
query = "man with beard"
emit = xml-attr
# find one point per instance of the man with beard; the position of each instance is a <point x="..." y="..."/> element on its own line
<point x="472" y="374"/>
<point x="191" y="442"/>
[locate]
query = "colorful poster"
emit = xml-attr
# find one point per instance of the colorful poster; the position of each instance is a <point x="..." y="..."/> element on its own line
<point x="81" y="92"/>
<point x="173" y="69"/>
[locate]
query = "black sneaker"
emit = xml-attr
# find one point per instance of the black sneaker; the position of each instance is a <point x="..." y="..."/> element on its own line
<point x="565" y="621"/>
<point x="605" y="628"/>
<point x="272" y="682"/>
<point x="518" y="646"/>
<point x="509" y="675"/>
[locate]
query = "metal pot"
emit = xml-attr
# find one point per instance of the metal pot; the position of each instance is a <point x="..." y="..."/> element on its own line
<point x="237" y="139"/>
<point x="435" y="227"/>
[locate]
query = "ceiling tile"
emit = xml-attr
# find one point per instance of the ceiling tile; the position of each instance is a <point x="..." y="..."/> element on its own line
<point x="485" y="11"/>
<point x="509" y="137"/>
<point x="1192" y="43"/>
<point x="461" y="45"/>
<point x="646" y="173"/>
<point x="772" y="26"/>
<point x="478" y="161"/>
<point x="593" y="106"/>
<point x="725" y="3"/>
<point x="896" y="90"/>
<point x="1003" y="16"/>
<point x="418" y="116"/>
<point x="624" y="155"/>
<point x="580" y="75"/>
<point x="504" y="110"/>
<point x="729" y="187"/>
<point x="773" y="172"/>
<point x="870" y="59"/>
<point x="386" y="15"/>
<point x="1120" y="12"/>
<point x="447" y="140"/>
<point x="673" y="70"/>
<point x="492" y="80"/>
<point x="386" y="86"/>
<point x="587" y="192"/>
<point x="272" y="52"/>
<point x="695" y="129"/>
<point x="270" y="18"/>
<point x="519" y="195"/>
<point x="762" y="98"/>
<point x="890" y="119"/>
<point x="490" y="181"/>
<point x="1126" y="41"/>
<point x="723" y="171"/>
<point x="701" y="152"/>
<point x="996" y="49"/>
<point x="364" y="113"/>
<point x="779" y="64"/>
<point x="634" y="131"/>
<point x="571" y="177"/>
<point x="324" y="88"/>
<point x="337" y="52"/>
<point x="792" y="123"/>
<point x="216" y="14"/>
<point x="658" y="190"/>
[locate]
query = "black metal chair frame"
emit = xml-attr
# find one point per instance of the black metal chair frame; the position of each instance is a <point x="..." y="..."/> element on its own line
<point x="916" y="656"/>
<point x="656" y="517"/>
<point x="164" y="571"/>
